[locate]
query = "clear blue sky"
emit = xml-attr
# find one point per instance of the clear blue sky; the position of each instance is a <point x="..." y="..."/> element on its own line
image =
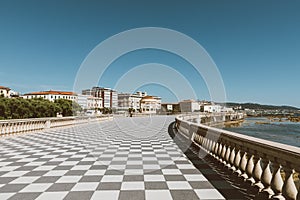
<point x="255" y="44"/>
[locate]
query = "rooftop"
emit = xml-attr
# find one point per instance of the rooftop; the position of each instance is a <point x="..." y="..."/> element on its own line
<point x="53" y="92"/>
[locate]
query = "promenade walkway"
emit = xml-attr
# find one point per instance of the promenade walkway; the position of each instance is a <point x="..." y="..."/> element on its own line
<point x="126" y="158"/>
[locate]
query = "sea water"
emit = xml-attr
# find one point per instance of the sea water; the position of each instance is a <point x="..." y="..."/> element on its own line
<point x="283" y="132"/>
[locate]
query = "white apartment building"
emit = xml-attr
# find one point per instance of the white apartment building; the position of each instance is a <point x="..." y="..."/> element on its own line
<point x="109" y="96"/>
<point x="88" y="102"/>
<point x="4" y="91"/>
<point x="189" y="106"/>
<point x="127" y="100"/>
<point x="212" y="108"/>
<point x="51" y="95"/>
<point x="150" y="104"/>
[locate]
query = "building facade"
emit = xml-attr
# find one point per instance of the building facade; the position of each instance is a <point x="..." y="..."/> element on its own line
<point x="189" y="106"/>
<point x="88" y="102"/>
<point x="127" y="100"/>
<point x="150" y="104"/>
<point x="4" y="91"/>
<point x="109" y="97"/>
<point x="51" y="95"/>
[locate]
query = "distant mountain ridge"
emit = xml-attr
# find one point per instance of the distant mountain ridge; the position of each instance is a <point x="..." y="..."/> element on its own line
<point x="257" y="106"/>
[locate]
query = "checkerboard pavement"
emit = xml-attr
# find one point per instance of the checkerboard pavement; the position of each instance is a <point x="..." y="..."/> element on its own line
<point x="121" y="159"/>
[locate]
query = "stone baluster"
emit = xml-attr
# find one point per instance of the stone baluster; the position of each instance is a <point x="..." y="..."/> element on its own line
<point x="213" y="147"/>
<point x="237" y="161"/>
<point x="209" y="147"/>
<point x="204" y="143"/>
<point x="243" y="165"/>
<point x="227" y="156"/>
<point x="257" y="173"/>
<point x="277" y="182"/>
<point x="216" y="150"/>
<point x="289" y="189"/>
<point x="266" y="178"/>
<point x="249" y="170"/>
<point x="223" y="154"/>
<point x="220" y="151"/>
<point x="231" y="160"/>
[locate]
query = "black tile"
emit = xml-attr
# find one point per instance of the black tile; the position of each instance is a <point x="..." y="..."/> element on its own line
<point x="184" y="194"/>
<point x="132" y="195"/>
<point x="109" y="186"/>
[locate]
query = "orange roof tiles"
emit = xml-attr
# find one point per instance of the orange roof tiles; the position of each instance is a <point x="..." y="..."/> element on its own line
<point x="4" y="88"/>
<point x="51" y="92"/>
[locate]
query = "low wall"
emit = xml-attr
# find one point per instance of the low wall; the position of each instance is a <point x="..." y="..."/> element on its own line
<point x="271" y="168"/>
<point x="38" y="124"/>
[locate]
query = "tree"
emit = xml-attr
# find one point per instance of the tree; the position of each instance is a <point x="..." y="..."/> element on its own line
<point x="68" y="107"/>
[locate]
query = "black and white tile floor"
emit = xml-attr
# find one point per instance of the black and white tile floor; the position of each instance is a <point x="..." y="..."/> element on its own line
<point x="127" y="158"/>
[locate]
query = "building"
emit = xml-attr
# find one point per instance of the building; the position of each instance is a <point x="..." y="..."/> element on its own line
<point x="189" y="106"/>
<point x="109" y="97"/>
<point x="51" y="95"/>
<point x="4" y="91"/>
<point x="88" y="102"/>
<point x="150" y="104"/>
<point x="212" y="108"/>
<point x="127" y="100"/>
<point x="170" y="108"/>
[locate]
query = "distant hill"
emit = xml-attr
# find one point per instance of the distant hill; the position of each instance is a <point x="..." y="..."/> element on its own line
<point x="257" y="106"/>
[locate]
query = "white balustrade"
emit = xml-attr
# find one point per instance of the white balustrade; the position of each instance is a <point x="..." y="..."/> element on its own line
<point x="38" y="124"/>
<point x="269" y="168"/>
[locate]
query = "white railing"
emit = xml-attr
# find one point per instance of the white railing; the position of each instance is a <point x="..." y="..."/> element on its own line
<point x="37" y="124"/>
<point x="271" y="168"/>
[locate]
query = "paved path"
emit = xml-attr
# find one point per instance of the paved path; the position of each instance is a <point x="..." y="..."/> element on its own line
<point x="127" y="158"/>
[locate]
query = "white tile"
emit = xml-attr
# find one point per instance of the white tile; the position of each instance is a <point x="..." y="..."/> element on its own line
<point x="15" y="174"/>
<point x="68" y="163"/>
<point x="154" y="178"/>
<point x="8" y="168"/>
<point x="117" y="167"/>
<point x="166" y="162"/>
<point x="132" y="186"/>
<point x="58" y="159"/>
<point x="56" y="173"/>
<point x="4" y="163"/>
<point x="133" y="172"/>
<point x="135" y="162"/>
<point x="95" y="172"/>
<point x="185" y="166"/>
<point x="178" y="185"/>
<point x="5" y="196"/>
<point x="45" y="168"/>
<point x="81" y="167"/>
<point x="52" y="195"/>
<point x="151" y="167"/>
<point x="69" y="179"/>
<point x="171" y="171"/>
<point x="209" y="194"/>
<point x="158" y="194"/>
<point x="36" y="187"/>
<point x="27" y="160"/>
<point x="195" y="177"/>
<point x="112" y="178"/>
<point x="119" y="159"/>
<point x="150" y="158"/>
<point x="89" y="159"/>
<point x="35" y="163"/>
<point x="90" y="186"/>
<point x="25" y="179"/>
<point x="107" y="195"/>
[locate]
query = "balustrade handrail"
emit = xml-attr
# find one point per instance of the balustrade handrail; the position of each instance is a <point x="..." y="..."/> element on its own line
<point x="254" y="158"/>
<point x="36" y="124"/>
